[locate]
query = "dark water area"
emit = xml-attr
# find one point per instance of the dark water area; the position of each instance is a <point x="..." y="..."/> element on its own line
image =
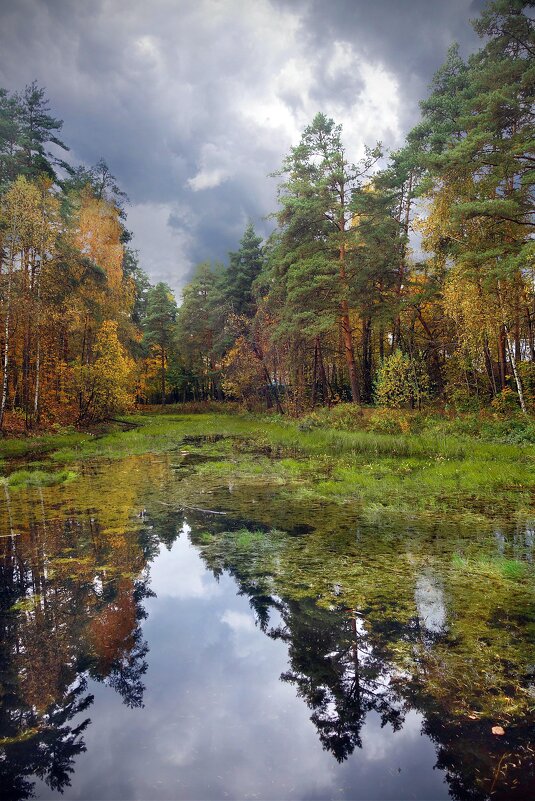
<point x="166" y="635"/>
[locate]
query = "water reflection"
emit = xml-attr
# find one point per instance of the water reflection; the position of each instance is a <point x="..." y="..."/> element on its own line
<point x="430" y="603"/>
<point x="281" y="664"/>
<point x="71" y="611"/>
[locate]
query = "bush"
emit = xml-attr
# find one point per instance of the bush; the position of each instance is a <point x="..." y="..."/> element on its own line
<point x="343" y="417"/>
<point x="506" y="402"/>
<point x="527" y="375"/>
<point x="513" y="431"/>
<point x="462" y="401"/>
<point x="395" y="421"/>
<point x="402" y="381"/>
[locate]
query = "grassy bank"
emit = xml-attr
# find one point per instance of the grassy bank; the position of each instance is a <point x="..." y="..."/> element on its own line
<point x="428" y="471"/>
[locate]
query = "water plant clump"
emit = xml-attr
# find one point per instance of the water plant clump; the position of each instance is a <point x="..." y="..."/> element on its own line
<point x="38" y="478"/>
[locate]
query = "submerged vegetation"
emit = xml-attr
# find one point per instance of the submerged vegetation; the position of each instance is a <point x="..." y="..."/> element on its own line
<point x="397" y="568"/>
<point x="38" y="478"/>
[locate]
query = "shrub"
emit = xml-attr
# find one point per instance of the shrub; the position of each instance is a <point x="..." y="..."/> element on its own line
<point x="462" y="400"/>
<point x="402" y="381"/>
<point x="395" y="421"/>
<point x="511" y="431"/>
<point x="527" y="375"/>
<point x="343" y="417"/>
<point x="505" y="402"/>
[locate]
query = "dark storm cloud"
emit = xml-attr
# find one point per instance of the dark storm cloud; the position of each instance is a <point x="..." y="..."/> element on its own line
<point x="192" y="104"/>
<point x="409" y="37"/>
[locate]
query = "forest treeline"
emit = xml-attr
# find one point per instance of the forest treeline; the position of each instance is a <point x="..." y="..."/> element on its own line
<point x="335" y="305"/>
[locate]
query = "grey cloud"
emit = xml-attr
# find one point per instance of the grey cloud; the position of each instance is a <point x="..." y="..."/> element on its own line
<point x="184" y="96"/>
<point x="409" y="37"/>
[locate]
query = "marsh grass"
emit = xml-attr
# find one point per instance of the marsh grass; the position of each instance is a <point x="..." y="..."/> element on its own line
<point x="495" y="567"/>
<point x="412" y="473"/>
<point x="18" y="448"/>
<point x="38" y="478"/>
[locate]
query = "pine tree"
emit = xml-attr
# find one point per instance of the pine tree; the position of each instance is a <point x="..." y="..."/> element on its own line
<point x="317" y="235"/>
<point x="38" y="128"/>
<point x="244" y="267"/>
<point x="202" y="334"/>
<point x="159" y="326"/>
<point x="478" y="149"/>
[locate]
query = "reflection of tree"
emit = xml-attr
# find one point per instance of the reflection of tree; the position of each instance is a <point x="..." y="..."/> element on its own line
<point x="118" y="642"/>
<point x="337" y="672"/>
<point x="408" y="650"/>
<point x="477" y="765"/>
<point x="41" y="744"/>
<point x="71" y="607"/>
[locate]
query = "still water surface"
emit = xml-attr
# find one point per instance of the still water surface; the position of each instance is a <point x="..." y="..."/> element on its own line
<point x="155" y="650"/>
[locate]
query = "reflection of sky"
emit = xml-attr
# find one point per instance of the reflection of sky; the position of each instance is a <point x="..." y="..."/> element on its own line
<point x="179" y="573"/>
<point x="429" y="598"/>
<point x="218" y="723"/>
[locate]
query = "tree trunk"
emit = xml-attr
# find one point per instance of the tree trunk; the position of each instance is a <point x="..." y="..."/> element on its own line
<point x="489" y="367"/>
<point x="323" y="377"/>
<point x="349" y="351"/>
<point x="502" y="358"/>
<point x="367" y="360"/>
<point x="38" y="345"/>
<point x="381" y="344"/>
<point x="163" y="376"/>
<point x="512" y="357"/>
<point x="530" y="336"/>
<point x="315" y="375"/>
<point x="516" y="374"/>
<point x="6" y="342"/>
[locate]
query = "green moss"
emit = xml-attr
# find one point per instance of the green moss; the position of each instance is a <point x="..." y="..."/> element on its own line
<point x="495" y="567"/>
<point x="204" y="538"/>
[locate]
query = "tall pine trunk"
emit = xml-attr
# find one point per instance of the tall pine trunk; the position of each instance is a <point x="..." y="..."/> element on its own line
<point x="347" y="336"/>
<point x="7" y="322"/>
<point x="163" y="376"/>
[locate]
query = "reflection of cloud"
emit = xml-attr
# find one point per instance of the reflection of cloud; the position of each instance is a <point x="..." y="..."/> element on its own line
<point x="243" y="629"/>
<point x="429" y="597"/>
<point x="180" y="573"/>
<point x="219" y="723"/>
<point x="238" y="621"/>
<point x="378" y="747"/>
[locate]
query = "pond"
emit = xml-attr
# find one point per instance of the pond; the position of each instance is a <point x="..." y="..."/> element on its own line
<point x="171" y="632"/>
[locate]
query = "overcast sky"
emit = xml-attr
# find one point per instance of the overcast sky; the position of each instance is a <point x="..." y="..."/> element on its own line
<point x="194" y="102"/>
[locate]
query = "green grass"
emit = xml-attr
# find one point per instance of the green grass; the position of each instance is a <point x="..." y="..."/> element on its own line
<point x="165" y="432"/>
<point x="17" y="448"/>
<point x="38" y="478"/>
<point x="492" y="567"/>
<point x="408" y="473"/>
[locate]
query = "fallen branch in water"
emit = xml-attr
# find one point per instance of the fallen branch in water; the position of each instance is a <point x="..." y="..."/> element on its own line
<point x="198" y="509"/>
<point x="194" y="508"/>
